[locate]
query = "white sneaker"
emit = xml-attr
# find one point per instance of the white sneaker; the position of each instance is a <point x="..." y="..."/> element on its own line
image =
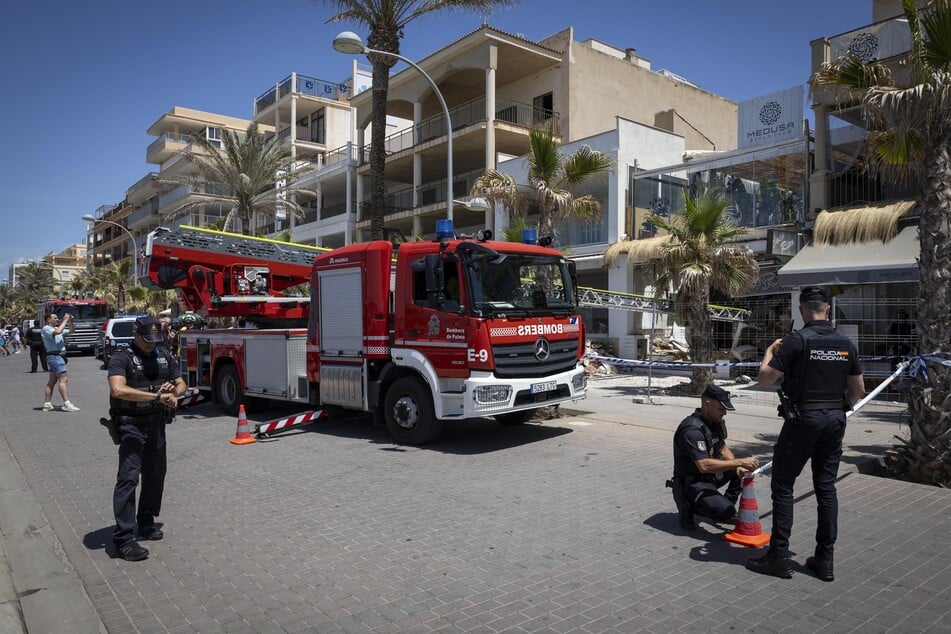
<point x="47" y="407"/>
<point x="69" y="407"/>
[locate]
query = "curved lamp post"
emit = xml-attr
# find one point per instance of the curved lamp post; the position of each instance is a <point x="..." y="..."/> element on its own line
<point x="350" y="43"/>
<point x="135" y="248"/>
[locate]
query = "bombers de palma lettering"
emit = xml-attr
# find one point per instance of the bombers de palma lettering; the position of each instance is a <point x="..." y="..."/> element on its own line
<point x="541" y="329"/>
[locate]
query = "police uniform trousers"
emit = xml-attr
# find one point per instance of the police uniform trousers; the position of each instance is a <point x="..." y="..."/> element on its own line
<point x="141" y="455"/>
<point x="816" y="436"/>
<point x="37" y="355"/>
<point x="706" y="500"/>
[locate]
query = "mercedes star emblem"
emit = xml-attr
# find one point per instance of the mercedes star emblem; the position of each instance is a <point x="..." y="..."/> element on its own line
<point x="542" y="349"/>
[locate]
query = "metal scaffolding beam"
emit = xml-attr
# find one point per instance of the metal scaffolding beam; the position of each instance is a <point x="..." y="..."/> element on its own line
<point x="597" y="298"/>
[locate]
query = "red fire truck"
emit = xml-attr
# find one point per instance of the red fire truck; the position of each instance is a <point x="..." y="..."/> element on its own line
<point x="452" y="329"/>
<point x="88" y="317"/>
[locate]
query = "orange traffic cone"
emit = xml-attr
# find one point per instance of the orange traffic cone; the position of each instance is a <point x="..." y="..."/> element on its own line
<point x="748" y="531"/>
<point x="243" y="435"/>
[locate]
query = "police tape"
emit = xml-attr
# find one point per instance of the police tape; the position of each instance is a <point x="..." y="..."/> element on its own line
<point x="914" y="364"/>
<point x="668" y="364"/>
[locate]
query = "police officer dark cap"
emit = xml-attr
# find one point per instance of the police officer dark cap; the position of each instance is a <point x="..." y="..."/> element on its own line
<point x="813" y="294"/>
<point x="717" y="393"/>
<point x="150" y="329"/>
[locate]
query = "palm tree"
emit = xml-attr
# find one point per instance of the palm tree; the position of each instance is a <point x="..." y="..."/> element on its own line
<point x="909" y="137"/>
<point x="36" y="281"/>
<point x="553" y="176"/>
<point x="697" y="253"/>
<point x="386" y="21"/>
<point x="250" y="168"/>
<point x="112" y="283"/>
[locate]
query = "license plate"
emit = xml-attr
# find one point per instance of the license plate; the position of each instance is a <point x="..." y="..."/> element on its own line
<point x="547" y="386"/>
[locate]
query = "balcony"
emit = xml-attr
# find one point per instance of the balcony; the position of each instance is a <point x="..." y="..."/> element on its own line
<point x="886" y="41"/>
<point x="507" y="112"/>
<point x="302" y="85"/>
<point x="166" y="146"/>
<point x="879" y="41"/>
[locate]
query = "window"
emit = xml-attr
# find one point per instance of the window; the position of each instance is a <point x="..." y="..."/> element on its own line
<point x="214" y="136"/>
<point x="318" y="127"/>
<point x="543" y="107"/>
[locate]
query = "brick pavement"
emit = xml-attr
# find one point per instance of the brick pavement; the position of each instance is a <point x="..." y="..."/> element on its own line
<point x="562" y="526"/>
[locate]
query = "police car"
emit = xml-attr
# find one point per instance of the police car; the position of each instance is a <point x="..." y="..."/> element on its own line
<point x="117" y="333"/>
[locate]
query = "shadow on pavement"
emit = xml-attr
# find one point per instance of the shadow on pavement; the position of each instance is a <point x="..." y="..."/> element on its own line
<point x="99" y="539"/>
<point x="467" y="437"/>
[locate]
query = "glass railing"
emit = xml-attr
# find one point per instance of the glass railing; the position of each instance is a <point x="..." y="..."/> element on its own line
<point x="878" y="41"/>
<point x="142" y="182"/>
<point x="303" y="85"/>
<point x="470" y="113"/>
<point x="169" y="137"/>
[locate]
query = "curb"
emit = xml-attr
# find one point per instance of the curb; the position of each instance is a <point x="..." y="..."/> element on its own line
<point x="40" y="589"/>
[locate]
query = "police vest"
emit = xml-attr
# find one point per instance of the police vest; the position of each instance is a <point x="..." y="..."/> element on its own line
<point x="140" y="381"/>
<point x="820" y="374"/>
<point x="683" y="463"/>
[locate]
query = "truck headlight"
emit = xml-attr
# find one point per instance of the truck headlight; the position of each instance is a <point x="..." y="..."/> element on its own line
<point x="492" y="394"/>
<point x="579" y="382"/>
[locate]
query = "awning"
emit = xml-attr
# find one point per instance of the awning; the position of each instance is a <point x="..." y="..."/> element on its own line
<point x="855" y="263"/>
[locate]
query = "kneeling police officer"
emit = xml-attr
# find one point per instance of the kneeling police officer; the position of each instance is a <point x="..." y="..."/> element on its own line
<point x="144" y="385"/>
<point x="703" y="462"/>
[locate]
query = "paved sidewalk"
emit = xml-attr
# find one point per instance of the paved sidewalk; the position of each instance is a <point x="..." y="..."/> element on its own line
<point x="557" y="526"/>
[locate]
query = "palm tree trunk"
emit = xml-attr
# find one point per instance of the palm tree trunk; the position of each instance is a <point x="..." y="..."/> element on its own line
<point x="700" y="340"/>
<point x="928" y="455"/>
<point x="381" y="83"/>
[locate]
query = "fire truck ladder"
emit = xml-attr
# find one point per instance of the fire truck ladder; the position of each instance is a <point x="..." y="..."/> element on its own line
<point x="596" y="298"/>
<point x="234" y="244"/>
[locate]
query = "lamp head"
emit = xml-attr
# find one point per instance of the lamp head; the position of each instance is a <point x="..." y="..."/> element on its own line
<point x="89" y="218"/>
<point x="349" y="42"/>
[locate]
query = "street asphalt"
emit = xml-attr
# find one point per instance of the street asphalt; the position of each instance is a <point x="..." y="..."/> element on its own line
<point x="557" y="526"/>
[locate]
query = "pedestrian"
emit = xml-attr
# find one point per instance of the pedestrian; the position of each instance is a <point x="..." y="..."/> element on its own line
<point x="34" y="337"/>
<point x="3" y="342"/>
<point x="144" y="386"/>
<point x="55" y="345"/>
<point x="703" y="463"/>
<point x="15" y="335"/>
<point x="821" y="378"/>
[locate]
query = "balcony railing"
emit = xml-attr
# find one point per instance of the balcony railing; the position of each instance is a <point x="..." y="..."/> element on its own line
<point x="878" y="41"/>
<point x="142" y="182"/>
<point x="303" y="85"/>
<point x="169" y="137"/>
<point x="347" y="153"/>
<point x="470" y="113"/>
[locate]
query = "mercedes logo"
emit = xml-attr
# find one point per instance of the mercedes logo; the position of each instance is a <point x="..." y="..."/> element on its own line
<point x="542" y="349"/>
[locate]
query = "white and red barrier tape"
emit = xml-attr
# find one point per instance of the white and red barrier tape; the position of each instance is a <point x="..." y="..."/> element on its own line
<point x="263" y="430"/>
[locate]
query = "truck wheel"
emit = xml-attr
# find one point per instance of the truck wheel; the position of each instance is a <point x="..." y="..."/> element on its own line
<point x="408" y="408"/>
<point x="228" y="390"/>
<point x="515" y="418"/>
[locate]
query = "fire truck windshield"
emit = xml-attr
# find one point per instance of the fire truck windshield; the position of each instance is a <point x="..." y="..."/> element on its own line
<point x="520" y="284"/>
<point x="80" y="312"/>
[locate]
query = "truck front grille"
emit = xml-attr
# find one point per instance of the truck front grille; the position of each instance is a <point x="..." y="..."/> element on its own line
<point x="518" y="360"/>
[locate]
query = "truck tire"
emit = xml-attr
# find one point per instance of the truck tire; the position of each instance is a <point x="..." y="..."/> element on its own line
<point x="410" y="416"/>
<point x="228" y="390"/>
<point x="515" y="418"/>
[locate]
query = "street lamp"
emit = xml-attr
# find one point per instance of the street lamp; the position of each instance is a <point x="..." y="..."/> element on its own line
<point x="135" y="248"/>
<point x="350" y="43"/>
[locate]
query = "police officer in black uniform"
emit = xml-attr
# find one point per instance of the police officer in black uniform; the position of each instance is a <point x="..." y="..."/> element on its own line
<point x="144" y="386"/>
<point x="34" y="337"/>
<point x="821" y="379"/>
<point x="703" y="463"/>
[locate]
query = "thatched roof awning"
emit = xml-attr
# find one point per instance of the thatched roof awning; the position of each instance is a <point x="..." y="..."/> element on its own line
<point x="870" y="263"/>
<point x="868" y="223"/>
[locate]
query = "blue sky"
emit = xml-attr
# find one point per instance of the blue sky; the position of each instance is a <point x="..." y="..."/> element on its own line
<point x="82" y="81"/>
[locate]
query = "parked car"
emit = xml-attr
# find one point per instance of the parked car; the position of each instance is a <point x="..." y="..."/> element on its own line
<point x="116" y="334"/>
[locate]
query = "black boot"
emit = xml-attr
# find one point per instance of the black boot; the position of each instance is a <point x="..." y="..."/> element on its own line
<point x="684" y="512"/>
<point x="772" y="566"/>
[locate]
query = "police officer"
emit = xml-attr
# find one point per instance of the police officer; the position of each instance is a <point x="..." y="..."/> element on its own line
<point x="144" y="386"/>
<point x="703" y="462"/>
<point x="34" y="337"/>
<point x="821" y="378"/>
